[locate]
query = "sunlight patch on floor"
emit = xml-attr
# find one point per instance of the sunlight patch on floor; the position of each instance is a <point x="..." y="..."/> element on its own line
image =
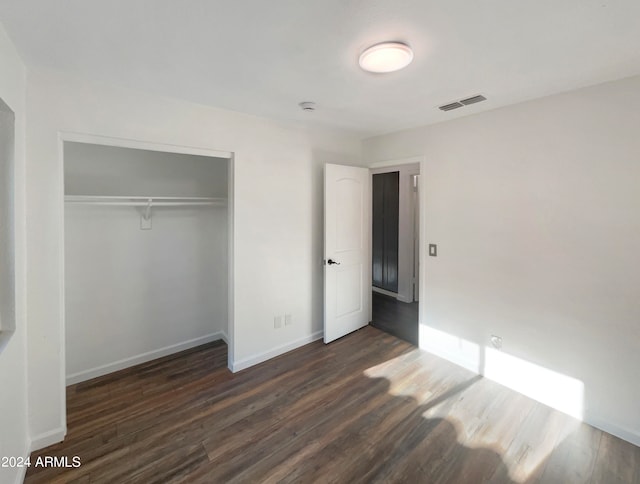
<point x="522" y="432"/>
<point x="399" y="385"/>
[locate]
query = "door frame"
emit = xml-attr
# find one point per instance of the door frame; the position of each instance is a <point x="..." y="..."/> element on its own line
<point x="404" y="294"/>
<point x="422" y="228"/>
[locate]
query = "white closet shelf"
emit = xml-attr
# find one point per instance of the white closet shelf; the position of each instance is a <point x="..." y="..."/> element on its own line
<point x="138" y="201"/>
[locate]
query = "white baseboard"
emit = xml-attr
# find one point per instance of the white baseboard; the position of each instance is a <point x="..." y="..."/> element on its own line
<point x="384" y="291"/>
<point x="48" y="438"/>
<point x="22" y="471"/>
<point x="272" y="353"/>
<point x="464" y="360"/>
<point x="608" y="427"/>
<point x="453" y="357"/>
<point x="448" y="347"/>
<point x="224" y="337"/>
<point x="142" y="358"/>
<point x="396" y="295"/>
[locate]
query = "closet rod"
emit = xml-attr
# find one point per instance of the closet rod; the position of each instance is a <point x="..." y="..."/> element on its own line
<point x="143" y="204"/>
<point x="137" y="201"/>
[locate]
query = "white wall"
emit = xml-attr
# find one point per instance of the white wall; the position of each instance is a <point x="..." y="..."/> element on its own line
<point x="534" y="208"/>
<point x="277" y="224"/>
<point x="14" y="438"/>
<point x="133" y="295"/>
<point x="92" y="169"/>
<point x="7" y="223"/>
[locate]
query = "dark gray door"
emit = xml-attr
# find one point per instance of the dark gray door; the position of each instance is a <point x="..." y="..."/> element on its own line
<point x="385" y="230"/>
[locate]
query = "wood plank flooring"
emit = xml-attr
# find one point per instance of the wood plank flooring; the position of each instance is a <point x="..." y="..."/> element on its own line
<point x="366" y="408"/>
<point x="395" y="317"/>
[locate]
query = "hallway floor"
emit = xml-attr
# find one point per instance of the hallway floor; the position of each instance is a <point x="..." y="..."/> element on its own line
<point x="395" y="317"/>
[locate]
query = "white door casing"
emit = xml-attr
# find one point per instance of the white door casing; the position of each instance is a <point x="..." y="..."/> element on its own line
<point x="347" y="250"/>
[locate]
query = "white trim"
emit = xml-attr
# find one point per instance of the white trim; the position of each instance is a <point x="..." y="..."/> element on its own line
<point x="384" y="291"/>
<point x="48" y="438"/>
<point x="224" y="337"/>
<point x="399" y="297"/>
<point x="457" y="358"/>
<point x="471" y="364"/>
<point x="22" y="472"/>
<point x="5" y="336"/>
<point x="422" y="237"/>
<point x="399" y="161"/>
<point x="62" y="342"/>
<point x="621" y="432"/>
<point x="141" y="145"/>
<point x="278" y="350"/>
<point x="230" y="263"/>
<point x="408" y="168"/>
<point x="142" y="358"/>
<point x="405" y="167"/>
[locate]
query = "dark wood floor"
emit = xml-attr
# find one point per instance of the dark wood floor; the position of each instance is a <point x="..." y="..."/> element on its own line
<point x="366" y="408"/>
<point x="395" y="317"/>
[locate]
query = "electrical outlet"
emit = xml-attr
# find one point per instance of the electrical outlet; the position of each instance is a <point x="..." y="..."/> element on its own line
<point x="277" y="322"/>
<point x="496" y="341"/>
<point x="288" y="320"/>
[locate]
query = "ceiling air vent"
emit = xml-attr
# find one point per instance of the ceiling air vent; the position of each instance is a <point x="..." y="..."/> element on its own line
<point x="473" y="100"/>
<point x="449" y="107"/>
<point x="462" y="103"/>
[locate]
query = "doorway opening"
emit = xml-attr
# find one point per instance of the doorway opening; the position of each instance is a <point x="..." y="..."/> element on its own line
<point x="7" y="225"/>
<point x="148" y="252"/>
<point x="395" y="250"/>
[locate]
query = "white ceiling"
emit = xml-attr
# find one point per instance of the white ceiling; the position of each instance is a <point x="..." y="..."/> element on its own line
<point x="264" y="56"/>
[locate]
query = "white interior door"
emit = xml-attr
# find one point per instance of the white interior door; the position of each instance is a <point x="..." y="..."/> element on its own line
<point x="347" y="250"/>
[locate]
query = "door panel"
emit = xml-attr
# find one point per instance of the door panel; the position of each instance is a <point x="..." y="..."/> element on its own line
<point x="386" y="199"/>
<point x="347" y="210"/>
<point x="348" y="290"/>
<point x="377" y="235"/>
<point x="350" y="197"/>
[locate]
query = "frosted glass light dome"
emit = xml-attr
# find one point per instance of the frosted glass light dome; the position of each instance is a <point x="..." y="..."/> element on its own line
<point x="386" y="57"/>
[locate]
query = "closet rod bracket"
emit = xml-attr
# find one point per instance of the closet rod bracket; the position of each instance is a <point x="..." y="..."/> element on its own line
<point x="145" y="217"/>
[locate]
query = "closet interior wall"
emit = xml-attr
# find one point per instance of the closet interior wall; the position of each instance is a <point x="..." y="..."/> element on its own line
<point x="7" y="223"/>
<point x="134" y="294"/>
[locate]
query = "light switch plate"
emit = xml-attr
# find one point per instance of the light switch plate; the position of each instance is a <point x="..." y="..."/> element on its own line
<point x="433" y="250"/>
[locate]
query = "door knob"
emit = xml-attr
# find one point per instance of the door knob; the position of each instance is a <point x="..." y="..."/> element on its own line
<point x="332" y="262"/>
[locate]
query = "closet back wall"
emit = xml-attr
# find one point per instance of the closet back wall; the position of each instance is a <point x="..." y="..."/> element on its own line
<point x="133" y="295"/>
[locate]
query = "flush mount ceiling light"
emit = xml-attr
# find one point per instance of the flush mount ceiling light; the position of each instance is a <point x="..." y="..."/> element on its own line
<point x="386" y="57"/>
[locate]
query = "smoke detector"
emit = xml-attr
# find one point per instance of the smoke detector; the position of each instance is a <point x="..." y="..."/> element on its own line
<point x="307" y="106"/>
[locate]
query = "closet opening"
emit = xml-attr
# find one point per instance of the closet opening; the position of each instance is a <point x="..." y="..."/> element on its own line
<point x="147" y="253"/>
<point x="395" y="250"/>
<point x="7" y="225"/>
